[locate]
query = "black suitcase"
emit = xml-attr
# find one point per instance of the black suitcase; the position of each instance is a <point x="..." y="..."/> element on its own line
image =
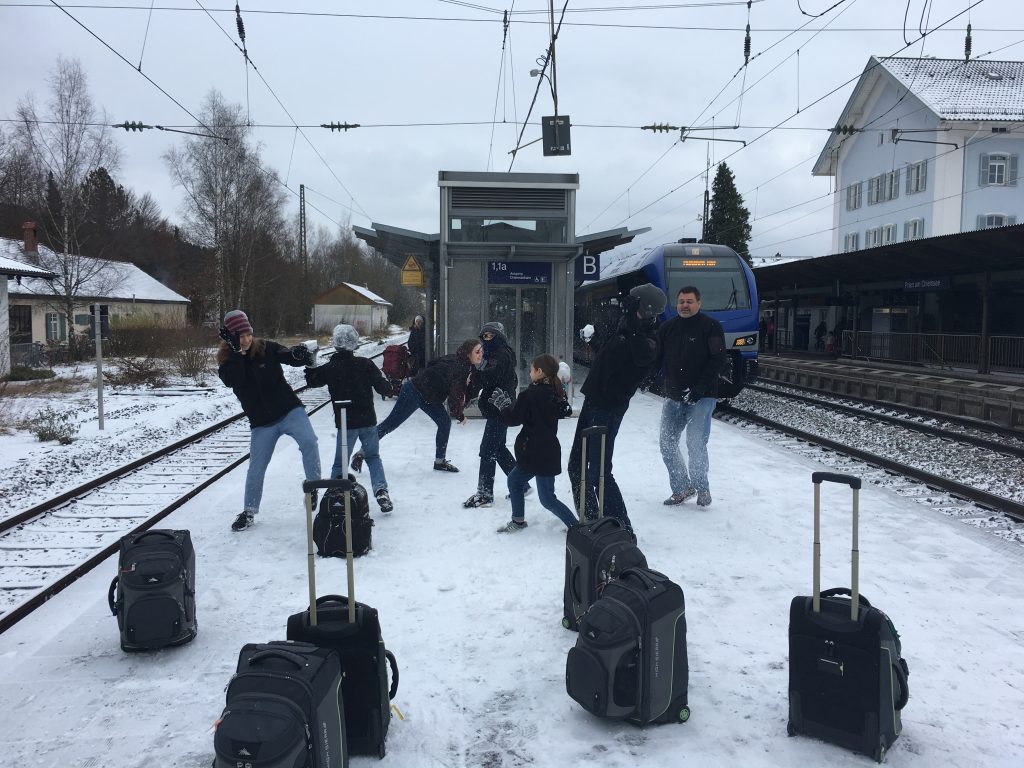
<point x="847" y="679"/>
<point x="353" y="630"/>
<point x="596" y="552"/>
<point x="284" y="709"/>
<point x="329" y="523"/>
<point x="630" y="661"/>
<point x="153" y="595"/>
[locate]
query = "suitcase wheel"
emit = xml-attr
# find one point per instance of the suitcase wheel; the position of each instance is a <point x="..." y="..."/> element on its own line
<point x="684" y="714"/>
<point x="381" y="750"/>
<point x="880" y="753"/>
<point x="565" y="622"/>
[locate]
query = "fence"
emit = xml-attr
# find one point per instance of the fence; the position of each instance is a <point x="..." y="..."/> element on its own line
<point x="939" y="350"/>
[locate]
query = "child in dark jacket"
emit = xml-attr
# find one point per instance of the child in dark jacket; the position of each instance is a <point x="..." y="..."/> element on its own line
<point x="538" y="452"/>
<point x="352" y="378"/>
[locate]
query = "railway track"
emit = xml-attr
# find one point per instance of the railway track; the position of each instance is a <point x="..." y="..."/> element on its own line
<point x="990" y="469"/>
<point x="47" y="547"/>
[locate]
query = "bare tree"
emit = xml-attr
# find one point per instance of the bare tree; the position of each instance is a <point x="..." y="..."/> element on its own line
<point x="232" y="203"/>
<point x="63" y="145"/>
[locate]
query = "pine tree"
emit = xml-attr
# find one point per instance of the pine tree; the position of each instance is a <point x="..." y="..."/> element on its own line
<point x="729" y="221"/>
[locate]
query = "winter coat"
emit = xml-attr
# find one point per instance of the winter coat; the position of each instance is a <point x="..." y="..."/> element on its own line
<point x="444" y="378"/>
<point x="624" y="361"/>
<point x="500" y="373"/>
<point x="537" y="449"/>
<point x="692" y="352"/>
<point x="348" y="377"/>
<point x="417" y="344"/>
<point x="258" y="383"/>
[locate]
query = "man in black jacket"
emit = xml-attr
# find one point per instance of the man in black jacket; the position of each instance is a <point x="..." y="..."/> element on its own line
<point x="691" y="350"/>
<point x="352" y="378"/>
<point x="624" y="361"/>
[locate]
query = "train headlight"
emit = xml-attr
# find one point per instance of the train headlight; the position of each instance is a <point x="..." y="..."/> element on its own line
<point x="745" y="341"/>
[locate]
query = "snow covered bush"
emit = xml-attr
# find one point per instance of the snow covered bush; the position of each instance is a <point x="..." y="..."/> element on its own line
<point x="50" y="424"/>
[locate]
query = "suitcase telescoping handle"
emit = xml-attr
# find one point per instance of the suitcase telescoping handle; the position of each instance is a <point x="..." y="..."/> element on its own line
<point x="854" y="482"/>
<point x="587" y="433"/>
<point x="345" y="486"/>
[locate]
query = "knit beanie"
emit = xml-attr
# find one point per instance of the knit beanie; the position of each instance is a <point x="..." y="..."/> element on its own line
<point x="237" y="322"/>
<point x="345" y="337"/>
<point x="498" y="329"/>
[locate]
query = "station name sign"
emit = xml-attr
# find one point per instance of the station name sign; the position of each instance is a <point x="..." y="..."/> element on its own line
<point x="518" y="273"/>
<point x="926" y="284"/>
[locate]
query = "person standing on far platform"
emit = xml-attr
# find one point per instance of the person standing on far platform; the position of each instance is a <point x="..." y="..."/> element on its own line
<point x="417" y="344"/>
<point x="691" y="350"/>
<point x="252" y="368"/>
<point x="623" y="361"/>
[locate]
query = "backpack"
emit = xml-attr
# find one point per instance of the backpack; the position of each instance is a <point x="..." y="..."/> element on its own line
<point x="329" y="523"/>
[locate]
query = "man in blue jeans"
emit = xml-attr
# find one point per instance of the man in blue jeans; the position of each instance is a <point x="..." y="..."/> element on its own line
<point x="691" y="350"/>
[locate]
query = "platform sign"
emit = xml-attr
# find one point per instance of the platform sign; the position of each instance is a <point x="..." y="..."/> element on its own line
<point x="587" y="267"/>
<point x="412" y="273"/>
<point x="925" y="284"/>
<point x="554" y="131"/>
<point x="518" y="273"/>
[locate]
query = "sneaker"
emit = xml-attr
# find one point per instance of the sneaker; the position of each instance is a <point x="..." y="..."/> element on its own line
<point x="384" y="500"/>
<point x="527" y="492"/>
<point x="443" y="465"/>
<point x="704" y="498"/>
<point x="679" y="498"/>
<point x="243" y="521"/>
<point x="478" y="499"/>
<point x="357" y="461"/>
<point x="513" y="526"/>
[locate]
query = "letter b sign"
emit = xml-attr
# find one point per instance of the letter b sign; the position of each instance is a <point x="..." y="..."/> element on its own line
<point x="588" y="267"/>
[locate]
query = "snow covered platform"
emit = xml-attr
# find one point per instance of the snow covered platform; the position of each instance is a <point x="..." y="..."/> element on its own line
<point x="474" y="619"/>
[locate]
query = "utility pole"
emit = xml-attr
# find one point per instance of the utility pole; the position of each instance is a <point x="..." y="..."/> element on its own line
<point x="707" y="201"/>
<point x="303" y="259"/>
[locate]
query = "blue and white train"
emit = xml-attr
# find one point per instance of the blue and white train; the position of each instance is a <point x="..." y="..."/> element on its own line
<point x="727" y="288"/>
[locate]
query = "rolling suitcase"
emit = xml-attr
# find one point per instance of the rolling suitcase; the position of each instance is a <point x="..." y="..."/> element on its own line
<point x="847" y="679"/>
<point x="595" y="553"/>
<point x="353" y="630"/>
<point x="153" y="595"/>
<point x="629" y="661"/>
<point x="283" y="709"/>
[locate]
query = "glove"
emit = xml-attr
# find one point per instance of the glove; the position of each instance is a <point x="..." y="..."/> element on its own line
<point x="231" y="339"/>
<point x="499" y="399"/>
<point x="300" y="353"/>
<point x="566" y="409"/>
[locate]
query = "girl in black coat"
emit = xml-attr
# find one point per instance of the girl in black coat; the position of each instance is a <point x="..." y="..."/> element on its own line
<point x="538" y="453"/>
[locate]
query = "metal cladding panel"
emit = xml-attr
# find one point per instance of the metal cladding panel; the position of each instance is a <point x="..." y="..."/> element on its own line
<point x="501" y="199"/>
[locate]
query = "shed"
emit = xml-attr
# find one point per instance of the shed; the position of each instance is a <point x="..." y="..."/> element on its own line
<point x="351" y="304"/>
<point x="12" y="270"/>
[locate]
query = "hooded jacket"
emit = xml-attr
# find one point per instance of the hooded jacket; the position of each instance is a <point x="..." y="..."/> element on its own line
<point x="537" y="449"/>
<point x="348" y="377"/>
<point x="444" y="378"/>
<point x="258" y="383"/>
<point x="623" y="362"/>
<point x="499" y="373"/>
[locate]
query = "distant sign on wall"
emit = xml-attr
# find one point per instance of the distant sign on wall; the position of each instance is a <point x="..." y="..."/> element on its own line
<point x="926" y="284"/>
<point x="412" y="273"/>
<point x="518" y="273"/>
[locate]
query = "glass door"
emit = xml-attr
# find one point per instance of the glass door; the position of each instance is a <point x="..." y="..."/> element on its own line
<point x="524" y="313"/>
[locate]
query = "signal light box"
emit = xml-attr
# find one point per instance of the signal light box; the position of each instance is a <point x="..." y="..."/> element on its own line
<point x="554" y="131"/>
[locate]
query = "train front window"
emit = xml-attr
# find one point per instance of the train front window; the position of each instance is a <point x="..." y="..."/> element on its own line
<point x="720" y="289"/>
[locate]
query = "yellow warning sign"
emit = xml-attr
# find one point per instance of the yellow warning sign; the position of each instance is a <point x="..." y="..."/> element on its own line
<point x="412" y="273"/>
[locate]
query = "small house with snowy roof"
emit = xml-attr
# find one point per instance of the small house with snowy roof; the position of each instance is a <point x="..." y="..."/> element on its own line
<point x="37" y="304"/>
<point x="926" y="147"/>
<point x="351" y="304"/>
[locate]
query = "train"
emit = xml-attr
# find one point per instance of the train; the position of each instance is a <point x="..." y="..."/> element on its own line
<point x="728" y="294"/>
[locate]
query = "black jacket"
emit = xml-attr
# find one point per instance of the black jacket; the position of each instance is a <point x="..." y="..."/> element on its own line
<point x="348" y="377"/>
<point x="537" y="449"/>
<point x="500" y="373"/>
<point x="417" y="342"/>
<point x="691" y="350"/>
<point x="444" y="378"/>
<point x="624" y="361"/>
<point x="259" y="385"/>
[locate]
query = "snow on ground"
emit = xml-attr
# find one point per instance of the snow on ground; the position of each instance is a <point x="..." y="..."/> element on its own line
<point x="474" y="617"/>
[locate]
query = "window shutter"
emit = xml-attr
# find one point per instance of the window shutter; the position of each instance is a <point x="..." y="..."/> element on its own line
<point x="923" y="184"/>
<point x="910" y="175"/>
<point x="895" y="183"/>
<point x="906" y="230"/>
<point x="1011" y="220"/>
<point x="981" y="221"/>
<point x="983" y="171"/>
<point x="1011" y="179"/>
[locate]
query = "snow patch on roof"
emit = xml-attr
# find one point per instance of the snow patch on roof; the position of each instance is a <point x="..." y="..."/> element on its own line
<point x="958" y="90"/>
<point x="368" y="294"/>
<point x="18" y="269"/>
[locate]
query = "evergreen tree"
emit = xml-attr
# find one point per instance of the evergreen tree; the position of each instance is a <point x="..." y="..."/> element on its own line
<point x="729" y="221"/>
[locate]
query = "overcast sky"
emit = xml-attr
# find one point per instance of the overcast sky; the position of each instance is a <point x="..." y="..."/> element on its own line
<point x="394" y="65"/>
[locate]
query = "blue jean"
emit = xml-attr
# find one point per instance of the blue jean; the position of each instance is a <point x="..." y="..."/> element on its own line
<point x="517" y="482"/>
<point x="695" y="418"/>
<point x="370" y="445"/>
<point x="493" y="451"/>
<point x="262" y="440"/>
<point x="614" y="505"/>
<point x="409" y="400"/>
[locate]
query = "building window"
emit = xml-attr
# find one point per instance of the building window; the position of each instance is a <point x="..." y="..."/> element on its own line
<point x="888" y="234"/>
<point x="853" y="197"/>
<point x="917" y="177"/>
<point x="851" y="242"/>
<point x="992" y="220"/>
<point x="913" y="229"/>
<point x="885" y="186"/>
<point x="56" y="327"/>
<point x="874" y="184"/>
<point x="998" y="170"/>
<point x="873" y="237"/>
